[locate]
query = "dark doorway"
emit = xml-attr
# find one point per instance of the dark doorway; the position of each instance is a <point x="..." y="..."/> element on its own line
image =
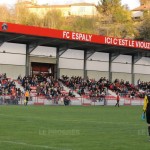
<point x="44" y="68"/>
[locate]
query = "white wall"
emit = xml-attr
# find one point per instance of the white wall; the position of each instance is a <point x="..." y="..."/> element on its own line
<point x="97" y="66"/>
<point x="13" y="59"/>
<point x="13" y="48"/>
<point x="99" y="56"/>
<point x="72" y="59"/>
<point x="142" y="77"/>
<point x="72" y="53"/>
<point x="12" y="62"/>
<point x="98" y="62"/>
<point x="122" y="64"/>
<point x="12" y="71"/>
<point x="71" y="72"/>
<point x="124" y="76"/>
<point x="142" y="66"/>
<point x="14" y="54"/>
<point x="70" y="63"/>
<point x="44" y="51"/>
<point x="97" y="75"/>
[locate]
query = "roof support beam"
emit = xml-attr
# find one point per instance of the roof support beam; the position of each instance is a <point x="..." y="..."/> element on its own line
<point x="62" y="49"/>
<point x="137" y="57"/>
<point x="106" y="48"/>
<point x="42" y="42"/>
<point x="32" y="46"/>
<point x="89" y="53"/>
<point x="114" y="56"/>
<point x="14" y="38"/>
<point x="1" y="41"/>
<point x="60" y="52"/>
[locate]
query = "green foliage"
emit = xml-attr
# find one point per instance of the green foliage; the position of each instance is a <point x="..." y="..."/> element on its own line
<point x="121" y="15"/>
<point x="83" y="24"/>
<point x="144" y="31"/>
<point x="5" y="14"/>
<point x="115" y="18"/>
<point x="21" y="14"/>
<point x="53" y="19"/>
<point x="108" y="6"/>
<point x="33" y="19"/>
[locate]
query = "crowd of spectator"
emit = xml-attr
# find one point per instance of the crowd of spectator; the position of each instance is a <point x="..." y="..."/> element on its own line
<point x="9" y="90"/>
<point x="52" y="88"/>
<point x="44" y="85"/>
<point x="100" y="88"/>
<point x="88" y="87"/>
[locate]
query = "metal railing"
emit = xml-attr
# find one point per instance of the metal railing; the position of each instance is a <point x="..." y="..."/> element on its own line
<point x="93" y="101"/>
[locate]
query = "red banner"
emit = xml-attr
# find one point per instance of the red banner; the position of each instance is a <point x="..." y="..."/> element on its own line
<point x="83" y="37"/>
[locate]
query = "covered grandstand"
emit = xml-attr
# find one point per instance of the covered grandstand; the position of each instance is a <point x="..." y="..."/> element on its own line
<point x="28" y="50"/>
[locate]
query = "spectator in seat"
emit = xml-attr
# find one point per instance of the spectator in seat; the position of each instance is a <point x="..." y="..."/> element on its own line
<point x="38" y="90"/>
<point x="71" y="94"/>
<point x="132" y="95"/>
<point x="102" y="96"/>
<point x="66" y="100"/>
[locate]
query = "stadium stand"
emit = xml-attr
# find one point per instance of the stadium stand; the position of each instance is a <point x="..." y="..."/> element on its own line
<point x="54" y="90"/>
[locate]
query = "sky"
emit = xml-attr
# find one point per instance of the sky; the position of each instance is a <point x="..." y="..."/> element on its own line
<point x="131" y="3"/>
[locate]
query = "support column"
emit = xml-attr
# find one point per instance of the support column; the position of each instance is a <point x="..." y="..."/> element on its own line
<point x="132" y="71"/>
<point x="110" y="67"/>
<point x="85" y="65"/>
<point x="27" y="67"/>
<point x="57" y="64"/>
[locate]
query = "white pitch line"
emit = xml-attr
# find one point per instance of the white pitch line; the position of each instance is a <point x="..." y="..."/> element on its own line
<point x="32" y="145"/>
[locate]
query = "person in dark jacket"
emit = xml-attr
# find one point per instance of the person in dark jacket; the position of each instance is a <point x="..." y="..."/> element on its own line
<point x="146" y="109"/>
<point x="66" y="100"/>
<point x="118" y="99"/>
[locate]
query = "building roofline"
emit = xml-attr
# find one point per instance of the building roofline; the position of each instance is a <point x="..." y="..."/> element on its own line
<point x="142" y="8"/>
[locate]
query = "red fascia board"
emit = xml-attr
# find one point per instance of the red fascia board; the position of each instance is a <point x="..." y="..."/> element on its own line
<point x="76" y="36"/>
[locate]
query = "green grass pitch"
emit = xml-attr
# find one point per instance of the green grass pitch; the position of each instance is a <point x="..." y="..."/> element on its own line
<point x="72" y="128"/>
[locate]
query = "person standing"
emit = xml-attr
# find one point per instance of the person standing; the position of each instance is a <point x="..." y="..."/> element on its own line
<point x="27" y="95"/>
<point x="66" y="100"/>
<point x="118" y="99"/>
<point x="146" y="109"/>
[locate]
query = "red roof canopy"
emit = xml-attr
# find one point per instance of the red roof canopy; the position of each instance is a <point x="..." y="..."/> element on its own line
<point x="32" y="31"/>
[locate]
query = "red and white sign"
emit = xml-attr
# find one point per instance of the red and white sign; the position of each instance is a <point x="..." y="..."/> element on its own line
<point x="77" y="36"/>
<point x="127" y="43"/>
<point x="68" y="35"/>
